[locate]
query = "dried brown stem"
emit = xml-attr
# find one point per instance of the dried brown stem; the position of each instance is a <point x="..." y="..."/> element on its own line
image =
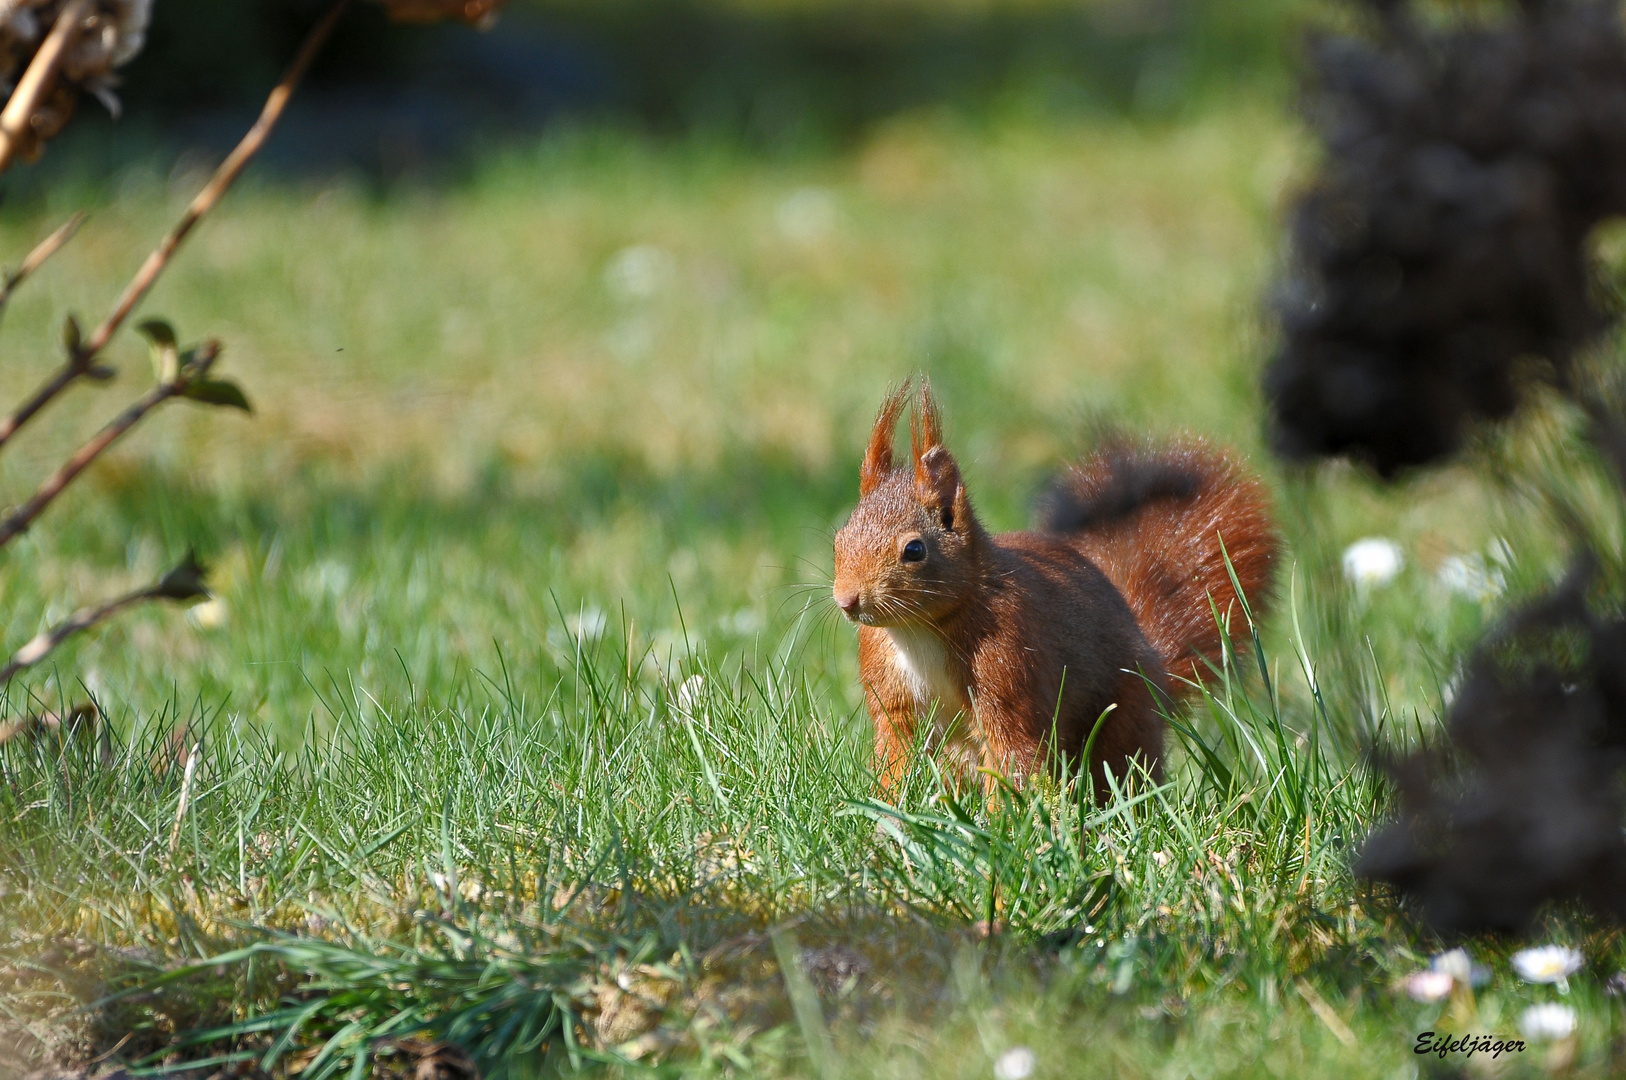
<point x="82" y="361"/>
<point x="36" y="81"/>
<point x="42" y="251"/>
<point x="47" y="641"/>
<point x="58" y="382"/>
<point x="223" y="178"/>
<point x="184" y="582"/>
<point x="70" y="370"/>
<point x="19" y="519"/>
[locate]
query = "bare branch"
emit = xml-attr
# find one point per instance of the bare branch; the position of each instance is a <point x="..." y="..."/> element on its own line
<point x="184" y="582"/>
<point x="46" y="641"/>
<point x="70" y="370"/>
<point x="18" y="520"/>
<point x="83" y="360"/>
<point x="223" y="178"/>
<point x="57" y="383"/>
<point x="37" y="80"/>
<point x="42" y="251"/>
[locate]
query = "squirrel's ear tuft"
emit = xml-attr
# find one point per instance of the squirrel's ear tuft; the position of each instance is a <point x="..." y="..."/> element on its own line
<point x="937" y="476"/>
<point x="925" y="423"/>
<point x="878" y="455"/>
<point x="937" y="485"/>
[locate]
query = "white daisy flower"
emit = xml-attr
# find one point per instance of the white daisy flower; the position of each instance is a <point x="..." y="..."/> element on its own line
<point x="807" y="215"/>
<point x="691" y="693"/>
<point x="1471" y="576"/>
<point x="640" y="272"/>
<point x="1460" y="966"/>
<point x="1374" y="560"/>
<point x="1015" y="1064"/>
<point x="588" y="624"/>
<point x="1429" y="985"/>
<point x="1547" y="963"/>
<point x="1547" y="1022"/>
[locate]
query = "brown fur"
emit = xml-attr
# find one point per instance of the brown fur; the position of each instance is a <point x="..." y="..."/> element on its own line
<point x="1014" y="646"/>
<point x="1168" y="556"/>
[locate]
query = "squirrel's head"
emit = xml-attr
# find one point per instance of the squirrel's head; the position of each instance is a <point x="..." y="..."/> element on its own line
<point x="909" y="553"/>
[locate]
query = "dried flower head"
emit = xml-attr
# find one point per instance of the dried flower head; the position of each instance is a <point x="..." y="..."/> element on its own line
<point x="1440" y="255"/>
<point x="109" y="36"/>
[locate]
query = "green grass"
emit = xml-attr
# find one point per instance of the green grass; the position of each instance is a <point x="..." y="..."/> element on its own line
<point x="521" y="700"/>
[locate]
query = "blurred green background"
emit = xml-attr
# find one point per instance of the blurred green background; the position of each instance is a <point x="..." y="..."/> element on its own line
<point x="580" y="323"/>
<point x="564" y="340"/>
<point x="775" y="75"/>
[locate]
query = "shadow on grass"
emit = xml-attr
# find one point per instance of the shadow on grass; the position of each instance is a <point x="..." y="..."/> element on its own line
<point x="745" y="493"/>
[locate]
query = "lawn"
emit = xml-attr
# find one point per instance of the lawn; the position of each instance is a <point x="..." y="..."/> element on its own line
<point x="522" y="711"/>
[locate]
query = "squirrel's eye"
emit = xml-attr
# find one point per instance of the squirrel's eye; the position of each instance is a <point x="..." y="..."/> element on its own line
<point x="914" y="551"/>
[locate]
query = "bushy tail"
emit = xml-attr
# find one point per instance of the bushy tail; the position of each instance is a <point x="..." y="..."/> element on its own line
<point x="1152" y="517"/>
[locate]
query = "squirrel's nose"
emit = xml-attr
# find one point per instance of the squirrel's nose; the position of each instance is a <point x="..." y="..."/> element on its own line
<point x="847" y="601"/>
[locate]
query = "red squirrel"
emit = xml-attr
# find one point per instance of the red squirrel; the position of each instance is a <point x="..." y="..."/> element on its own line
<point x="1007" y="641"/>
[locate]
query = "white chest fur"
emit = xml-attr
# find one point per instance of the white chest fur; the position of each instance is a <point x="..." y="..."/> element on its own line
<point x="923" y="663"/>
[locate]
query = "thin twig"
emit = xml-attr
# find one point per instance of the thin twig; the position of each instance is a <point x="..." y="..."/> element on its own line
<point x="74" y="367"/>
<point x="18" y="520"/>
<point x="36" y="81"/>
<point x="223" y="178"/>
<point x="82" y="360"/>
<point x="47" y="641"/>
<point x="81" y="357"/>
<point x="53" y="386"/>
<point x="184" y="582"/>
<point x="42" y="251"/>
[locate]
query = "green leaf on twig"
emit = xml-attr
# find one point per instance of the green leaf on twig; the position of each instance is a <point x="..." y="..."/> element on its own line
<point x="196" y="361"/>
<point x="71" y="337"/>
<point x="186" y="581"/>
<point x="159" y="332"/>
<point x="217" y="392"/>
<point x="166" y="356"/>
